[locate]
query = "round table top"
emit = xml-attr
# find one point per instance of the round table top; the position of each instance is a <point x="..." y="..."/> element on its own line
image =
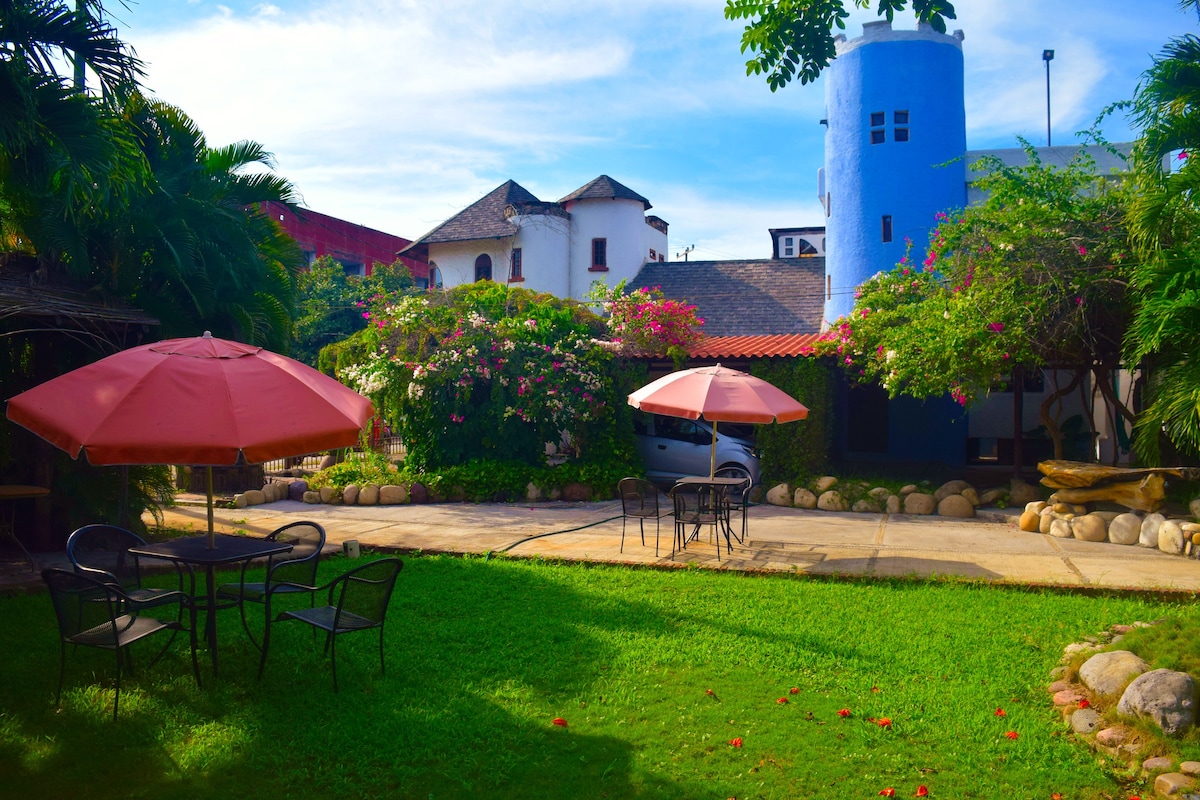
<point x="19" y="492"/>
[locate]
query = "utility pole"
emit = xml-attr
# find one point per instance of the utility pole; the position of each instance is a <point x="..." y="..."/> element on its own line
<point x="1047" y="56"/>
<point x="685" y="252"/>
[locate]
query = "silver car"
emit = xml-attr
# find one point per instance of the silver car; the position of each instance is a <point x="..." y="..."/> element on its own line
<point x="672" y="447"/>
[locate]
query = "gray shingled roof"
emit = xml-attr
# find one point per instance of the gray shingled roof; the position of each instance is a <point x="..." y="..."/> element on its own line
<point x="747" y="297"/>
<point x="483" y="219"/>
<point x="605" y="188"/>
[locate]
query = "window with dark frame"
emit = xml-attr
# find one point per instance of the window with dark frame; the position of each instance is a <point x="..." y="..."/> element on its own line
<point x="514" y="272"/>
<point x="483" y="268"/>
<point x="900" y="134"/>
<point x="900" y="117"/>
<point x="887" y="227"/>
<point x="877" y="119"/>
<point x="600" y="255"/>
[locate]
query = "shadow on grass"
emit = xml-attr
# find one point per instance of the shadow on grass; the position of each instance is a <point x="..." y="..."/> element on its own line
<point x="481" y="657"/>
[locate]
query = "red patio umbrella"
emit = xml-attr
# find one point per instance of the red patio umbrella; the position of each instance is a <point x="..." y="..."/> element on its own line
<point x="717" y="394"/>
<point x="201" y="401"/>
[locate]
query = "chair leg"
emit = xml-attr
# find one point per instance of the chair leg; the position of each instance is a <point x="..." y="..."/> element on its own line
<point x="621" y="549"/>
<point x="117" y="696"/>
<point x="657" y="528"/>
<point x="642" y="529"/>
<point x="333" y="660"/>
<point x="266" y="642"/>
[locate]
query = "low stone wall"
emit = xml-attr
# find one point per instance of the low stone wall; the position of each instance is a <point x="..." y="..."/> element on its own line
<point x="1066" y="521"/>
<point x="952" y="499"/>
<point x="373" y="494"/>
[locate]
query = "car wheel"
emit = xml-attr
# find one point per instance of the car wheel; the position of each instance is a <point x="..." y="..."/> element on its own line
<point x="733" y="471"/>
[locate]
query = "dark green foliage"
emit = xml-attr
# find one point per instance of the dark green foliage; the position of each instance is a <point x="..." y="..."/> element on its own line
<point x="792" y="449"/>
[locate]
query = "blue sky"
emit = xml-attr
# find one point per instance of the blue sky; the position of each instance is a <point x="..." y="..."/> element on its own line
<point x="396" y="114"/>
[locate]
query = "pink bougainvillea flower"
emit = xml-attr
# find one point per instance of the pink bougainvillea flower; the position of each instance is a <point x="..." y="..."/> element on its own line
<point x="736" y="741"/>
<point x="996" y="327"/>
<point x="888" y="792"/>
<point x="1084" y="703"/>
<point x="884" y="722"/>
<point x="794" y="690"/>
<point x="1182" y="155"/>
<point x="843" y="712"/>
<point x="1082" y="250"/>
<point x="922" y="791"/>
<point x="559" y="721"/>
<point x="1000" y="712"/>
<point x="782" y="700"/>
<point x="1012" y="735"/>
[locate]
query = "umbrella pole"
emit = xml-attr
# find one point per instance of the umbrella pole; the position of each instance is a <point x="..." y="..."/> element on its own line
<point x="712" y="459"/>
<point x="212" y="539"/>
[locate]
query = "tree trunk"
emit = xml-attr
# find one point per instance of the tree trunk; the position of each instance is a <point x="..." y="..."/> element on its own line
<point x="1051" y="422"/>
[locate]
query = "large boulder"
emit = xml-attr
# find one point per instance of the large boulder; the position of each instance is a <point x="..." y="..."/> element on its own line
<point x="368" y="494"/>
<point x="919" y="503"/>
<point x="1061" y="528"/>
<point x="1029" y="521"/>
<point x="392" y="495"/>
<point x="296" y="490"/>
<point x="894" y="504"/>
<point x="1107" y="674"/>
<point x="804" y="498"/>
<point x="955" y="505"/>
<point x="417" y="493"/>
<point x="825" y="483"/>
<point x="832" y="501"/>
<point x="1125" y="529"/>
<point x="350" y="494"/>
<point x="780" y="495"/>
<point x="1149" y="534"/>
<point x="1170" y="537"/>
<point x="1165" y="696"/>
<point x="1089" y="528"/>
<point x="950" y="487"/>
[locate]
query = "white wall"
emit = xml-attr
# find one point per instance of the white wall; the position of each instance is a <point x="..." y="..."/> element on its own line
<point x="622" y="223"/>
<point x="544" y="241"/>
<point x="456" y="260"/>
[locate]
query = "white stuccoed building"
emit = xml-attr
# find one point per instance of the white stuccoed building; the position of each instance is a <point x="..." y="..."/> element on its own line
<point x="601" y="231"/>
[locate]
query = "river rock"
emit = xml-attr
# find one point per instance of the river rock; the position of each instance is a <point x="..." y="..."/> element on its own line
<point x="350" y="494"/>
<point x="1112" y="737"/>
<point x="368" y="494"/>
<point x="312" y="497"/>
<point x="804" y="498"/>
<point x="1157" y="763"/>
<point x="907" y="489"/>
<point x="1125" y="529"/>
<point x="1061" y="528"/>
<point x="1085" y="720"/>
<point x="1044" y="520"/>
<point x="1107" y="674"/>
<point x="1171" y="784"/>
<point x="894" y="504"/>
<point x="296" y="490"/>
<point x="779" y="495"/>
<point x="1029" y="521"/>
<point x="392" y="495"/>
<point x="417" y="493"/>
<point x="1165" y="696"/>
<point x="879" y="493"/>
<point x="1036" y="506"/>
<point x="955" y="505"/>
<point x="950" y="487"/>
<point x="328" y="493"/>
<point x="825" y="483"/>
<point x="919" y="503"/>
<point x="832" y="501"/>
<point x="990" y="496"/>
<point x="534" y="493"/>
<point x="1149" y="532"/>
<point x="1170" y="537"/>
<point x="1089" y="528"/>
<point x="1194" y="508"/>
<point x="866" y="506"/>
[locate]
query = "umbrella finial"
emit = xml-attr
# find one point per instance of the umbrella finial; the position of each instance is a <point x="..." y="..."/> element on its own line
<point x="207" y="335"/>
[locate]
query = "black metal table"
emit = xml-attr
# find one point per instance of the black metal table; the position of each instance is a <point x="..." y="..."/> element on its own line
<point x="195" y="550"/>
<point x="718" y="497"/>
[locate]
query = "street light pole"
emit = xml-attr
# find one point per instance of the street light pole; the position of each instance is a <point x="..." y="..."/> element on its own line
<point x="1047" y="56"/>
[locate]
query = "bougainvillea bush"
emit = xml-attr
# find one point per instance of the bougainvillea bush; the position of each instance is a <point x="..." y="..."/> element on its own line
<point x="484" y="371"/>
<point x="645" y="322"/>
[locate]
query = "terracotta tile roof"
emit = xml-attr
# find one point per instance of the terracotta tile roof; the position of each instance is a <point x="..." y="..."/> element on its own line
<point x="746" y="297"/>
<point x="486" y="218"/>
<point x="605" y="187"/>
<point x="771" y="345"/>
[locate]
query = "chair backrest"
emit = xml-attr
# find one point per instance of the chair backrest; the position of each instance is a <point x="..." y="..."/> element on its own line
<point x="105" y="549"/>
<point x="298" y="565"/>
<point x="737" y="495"/>
<point x="639" y="498"/>
<point x="693" y="503"/>
<point x="83" y="603"/>
<point x="366" y="590"/>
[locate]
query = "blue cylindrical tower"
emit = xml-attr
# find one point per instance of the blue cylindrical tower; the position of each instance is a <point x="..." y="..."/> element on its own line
<point x="895" y="144"/>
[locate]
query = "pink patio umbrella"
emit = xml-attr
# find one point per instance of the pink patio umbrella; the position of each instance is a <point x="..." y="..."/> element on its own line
<point x="717" y="394"/>
<point x="201" y="401"/>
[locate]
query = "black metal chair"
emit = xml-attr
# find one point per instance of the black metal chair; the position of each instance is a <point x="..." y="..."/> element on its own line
<point x="362" y="594"/>
<point x="102" y="552"/>
<point x="288" y="573"/>
<point x="737" y="498"/>
<point x="94" y="613"/>
<point x="639" y="500"/>
<point x="697" y="505"/>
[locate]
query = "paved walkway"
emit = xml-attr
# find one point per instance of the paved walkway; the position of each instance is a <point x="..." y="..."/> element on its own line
<point x="990" y="548"/>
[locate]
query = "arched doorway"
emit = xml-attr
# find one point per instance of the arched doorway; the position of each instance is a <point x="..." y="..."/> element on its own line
<point x="483" y="268"/>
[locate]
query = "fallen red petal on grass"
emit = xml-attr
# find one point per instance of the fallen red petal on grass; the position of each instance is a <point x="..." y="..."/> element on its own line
<point x="884" y="722"/>
<point x="794" y="690"/>
<point x="1084" y="703"/>
<point x="843" y="712"/>
<point x="709" y="692"/>
<point x="874" y="688"/>
<point x="736" y="741"/>
<point x="1056" y="796"/>
<point x="1012" y="735"/>
<point x="922" y="791"/>
<point x="782" y="700"/>
<point x="1000" y="712"/>
<point x="560" y="722"/>
<point x="888" y="792"/>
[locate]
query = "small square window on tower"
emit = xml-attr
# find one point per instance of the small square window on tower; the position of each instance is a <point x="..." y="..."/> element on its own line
<point x="887" y="227"/>
<point x="900" y="117"/>
<point x="878" y="137"/>
<point x="876" y="119"/>
<point x="900" y="134"/>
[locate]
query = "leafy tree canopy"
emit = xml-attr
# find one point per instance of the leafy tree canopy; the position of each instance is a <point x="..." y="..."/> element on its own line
<point x="795" y="38"/>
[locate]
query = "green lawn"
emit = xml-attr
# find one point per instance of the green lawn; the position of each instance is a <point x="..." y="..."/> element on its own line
<point x="655" y="672"/>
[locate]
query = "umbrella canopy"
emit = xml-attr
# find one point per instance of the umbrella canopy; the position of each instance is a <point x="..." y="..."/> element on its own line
<point x="201" y="401"/>
<point x="717" y="394"/>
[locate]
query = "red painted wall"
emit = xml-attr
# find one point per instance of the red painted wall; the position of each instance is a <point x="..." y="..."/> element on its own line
<point x="321" y="234"/>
